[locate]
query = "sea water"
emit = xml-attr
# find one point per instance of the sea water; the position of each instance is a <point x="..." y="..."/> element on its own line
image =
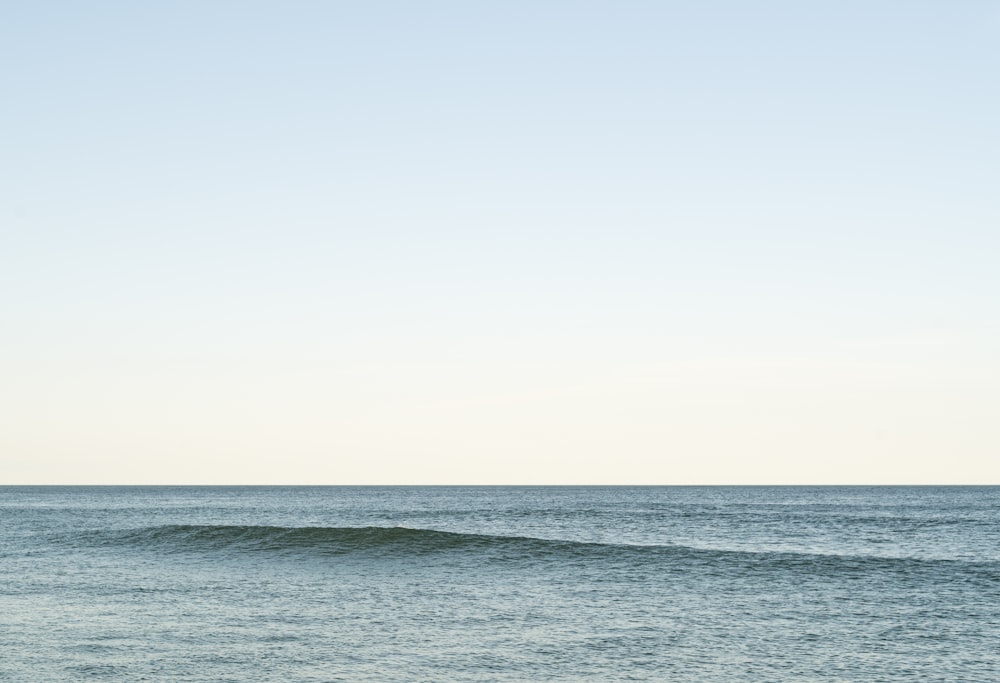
<point x="499" y="584"/>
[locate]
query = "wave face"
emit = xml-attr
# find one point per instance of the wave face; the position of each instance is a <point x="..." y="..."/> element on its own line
<point x="326" y="540"/>
<point x="405" y="541"/>
<point x="399" y="541"/>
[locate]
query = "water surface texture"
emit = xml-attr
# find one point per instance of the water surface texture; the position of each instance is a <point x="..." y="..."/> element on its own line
<point x="700" y="584"/>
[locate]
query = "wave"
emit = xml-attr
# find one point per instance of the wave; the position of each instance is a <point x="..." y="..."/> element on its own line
<point x="330" y="540"/>
<point x="405" y="541"/>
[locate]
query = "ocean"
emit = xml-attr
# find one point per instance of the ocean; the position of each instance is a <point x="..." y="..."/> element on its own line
<point x="687" y="584"/>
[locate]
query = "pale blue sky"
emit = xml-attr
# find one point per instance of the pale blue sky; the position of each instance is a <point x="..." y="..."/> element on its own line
<point x="432" y="242"/>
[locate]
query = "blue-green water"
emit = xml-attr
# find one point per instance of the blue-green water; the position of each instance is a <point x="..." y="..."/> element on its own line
<point x="499" y="584"/>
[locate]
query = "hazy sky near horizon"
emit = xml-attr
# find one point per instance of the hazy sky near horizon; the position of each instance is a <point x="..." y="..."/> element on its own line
<point x="507" y="242"/>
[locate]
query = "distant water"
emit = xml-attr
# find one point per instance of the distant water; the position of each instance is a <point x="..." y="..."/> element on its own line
<point x="499" y="584"/>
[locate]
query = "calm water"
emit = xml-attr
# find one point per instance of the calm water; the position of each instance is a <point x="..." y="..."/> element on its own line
<point x="499" y="584"/>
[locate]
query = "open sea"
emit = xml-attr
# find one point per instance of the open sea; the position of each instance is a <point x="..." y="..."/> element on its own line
<point x="699" y="584"/>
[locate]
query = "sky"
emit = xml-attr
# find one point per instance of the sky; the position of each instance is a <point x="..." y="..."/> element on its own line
<point x="541" y="242"/>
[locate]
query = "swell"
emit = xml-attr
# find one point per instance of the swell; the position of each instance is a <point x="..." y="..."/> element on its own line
<point x="404" y="541"/>
<point x="327" y="540"/>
